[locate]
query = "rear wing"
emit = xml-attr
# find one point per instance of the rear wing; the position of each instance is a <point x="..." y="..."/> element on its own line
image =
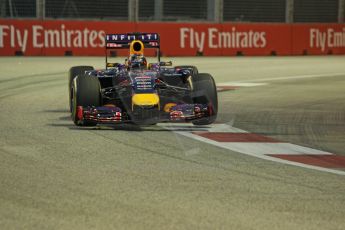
<point x="122" y="41"/>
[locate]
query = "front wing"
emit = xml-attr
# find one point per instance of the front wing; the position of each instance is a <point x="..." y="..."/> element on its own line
<point x="113" y="115"/>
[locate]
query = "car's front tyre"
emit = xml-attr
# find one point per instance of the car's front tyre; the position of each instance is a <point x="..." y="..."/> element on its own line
<point x="85" y="91"/>
<point x="73" y="73"/>
<point x="205" y="92"/>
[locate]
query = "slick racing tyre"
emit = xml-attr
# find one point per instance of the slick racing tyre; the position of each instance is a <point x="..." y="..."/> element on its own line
<point x="85" y="92"/>
<point x="73" y="72"/>
<point x="205" y="92"/>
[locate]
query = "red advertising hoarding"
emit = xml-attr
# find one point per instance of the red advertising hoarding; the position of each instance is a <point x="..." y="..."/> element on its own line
<point x="318" y="39"/>
<point x="86" y="38"/>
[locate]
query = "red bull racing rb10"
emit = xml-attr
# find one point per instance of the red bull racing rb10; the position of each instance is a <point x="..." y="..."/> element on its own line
<point x="140" y="92"/>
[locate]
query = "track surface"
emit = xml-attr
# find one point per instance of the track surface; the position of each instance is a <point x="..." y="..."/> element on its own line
<point x="54" y="175"/>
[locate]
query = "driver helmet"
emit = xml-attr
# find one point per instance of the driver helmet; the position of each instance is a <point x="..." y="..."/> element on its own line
<point x="136" y="61"/>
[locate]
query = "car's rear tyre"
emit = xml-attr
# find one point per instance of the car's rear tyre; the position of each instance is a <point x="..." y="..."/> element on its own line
<point x="205" y="92"/>
<point x="73" y="73"/>
<point x="85" y="92"/>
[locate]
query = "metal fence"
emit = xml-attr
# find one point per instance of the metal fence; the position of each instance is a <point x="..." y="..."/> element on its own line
<point x="316" y="11"/>
<point x="185" y="10"/>
<point x="87" y="9"/>
<point x="146" y="10"/>
<point x="178" y="10"/>
<point x="254" y="11"/>
<point x="18" y="8"/>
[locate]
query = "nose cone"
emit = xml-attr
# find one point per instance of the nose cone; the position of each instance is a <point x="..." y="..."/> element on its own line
<point x="145" y="99"/>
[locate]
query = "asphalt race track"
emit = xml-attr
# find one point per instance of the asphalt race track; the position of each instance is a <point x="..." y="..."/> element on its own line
<point x="54" y="175"/>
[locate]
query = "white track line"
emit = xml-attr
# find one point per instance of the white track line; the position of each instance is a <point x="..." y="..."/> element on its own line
<point x="192" y="128"/>
<point x="258" y="150"/>
<point x="240" y="84"/>
<point x="301" y="77"/>
<point x="254" y="82"/>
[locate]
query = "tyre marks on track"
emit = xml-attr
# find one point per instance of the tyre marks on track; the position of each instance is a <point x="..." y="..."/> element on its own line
<point x="26" y="83"/>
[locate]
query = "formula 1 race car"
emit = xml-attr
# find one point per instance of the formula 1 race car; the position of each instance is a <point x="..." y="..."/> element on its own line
<point x="139" y="92"/>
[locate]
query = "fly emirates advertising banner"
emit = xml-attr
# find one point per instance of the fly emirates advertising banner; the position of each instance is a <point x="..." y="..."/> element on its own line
<point x="87" y="38"/>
